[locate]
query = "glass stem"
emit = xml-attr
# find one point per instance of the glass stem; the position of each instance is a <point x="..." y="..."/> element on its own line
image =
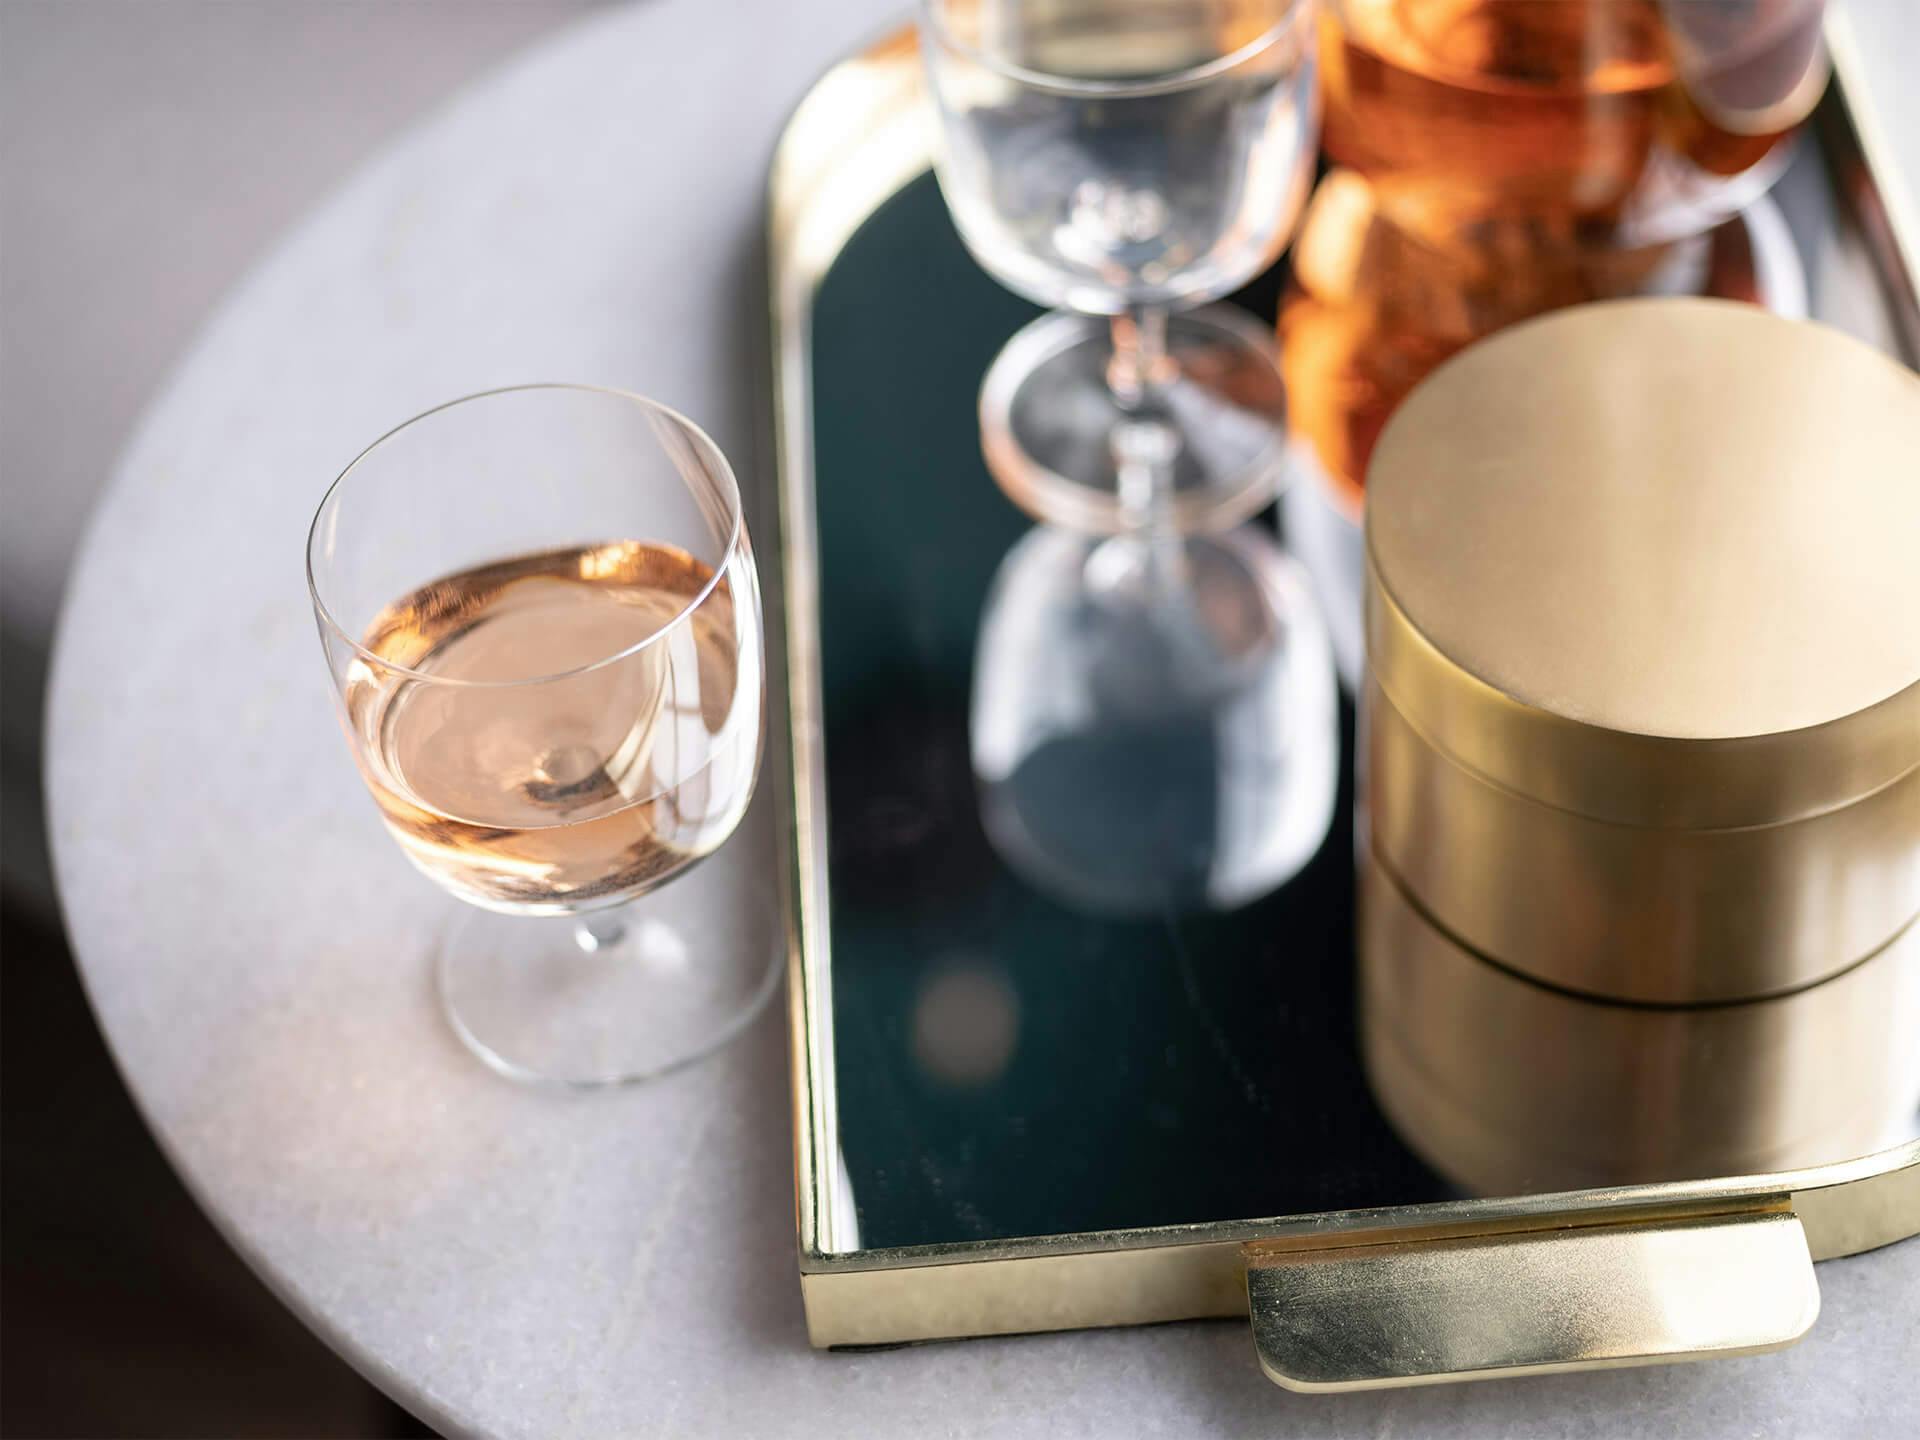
<point x="600" y="930"/>
<point x="1145" y="443"/>
<point x="1140" y="366"/>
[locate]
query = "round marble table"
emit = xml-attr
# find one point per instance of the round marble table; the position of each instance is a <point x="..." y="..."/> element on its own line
<point x="507" y="1262"/>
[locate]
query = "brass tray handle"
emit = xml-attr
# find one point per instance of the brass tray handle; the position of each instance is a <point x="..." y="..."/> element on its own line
<point x="1642" y="1292"/>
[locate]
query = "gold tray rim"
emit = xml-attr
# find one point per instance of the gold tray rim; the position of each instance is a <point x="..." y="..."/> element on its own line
<point x="857" y="137"/>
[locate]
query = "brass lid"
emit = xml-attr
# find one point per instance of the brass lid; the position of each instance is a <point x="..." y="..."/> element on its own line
<point x="1657" y="562"/>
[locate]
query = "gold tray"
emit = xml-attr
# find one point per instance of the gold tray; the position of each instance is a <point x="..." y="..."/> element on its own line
<point x="1342" y="1298"/>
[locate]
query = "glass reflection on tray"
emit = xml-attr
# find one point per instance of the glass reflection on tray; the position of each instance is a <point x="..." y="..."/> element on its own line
<point x="1508" y="1086"/>
<point x="1008" y="1059"/>
<point x="1153" y="719"/>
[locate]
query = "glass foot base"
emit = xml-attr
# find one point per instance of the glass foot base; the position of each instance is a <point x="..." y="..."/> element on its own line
<point x="587" y="1002"/>
<point x="1049" y="421"/>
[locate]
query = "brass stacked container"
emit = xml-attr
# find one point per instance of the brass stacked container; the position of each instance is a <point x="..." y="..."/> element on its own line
<point x="1643" y="750"/>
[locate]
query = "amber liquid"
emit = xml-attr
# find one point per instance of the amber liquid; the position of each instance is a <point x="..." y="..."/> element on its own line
<point x="1499" y="159"/>
<point x="571" y="792"/>
<point x="1588" y="112"/>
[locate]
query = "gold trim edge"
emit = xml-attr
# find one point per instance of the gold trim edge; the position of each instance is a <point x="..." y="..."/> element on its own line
<point x="1380" y="1316"/>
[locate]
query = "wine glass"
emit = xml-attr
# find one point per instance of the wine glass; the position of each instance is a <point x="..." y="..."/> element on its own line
<point x="1155" y="724"/>
<point x="541" y="616"/>
<point x="1127" y="160"/>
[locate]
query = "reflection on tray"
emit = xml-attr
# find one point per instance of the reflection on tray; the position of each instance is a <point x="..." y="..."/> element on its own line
<point x="1007" y="1064"/>
<point x="1153" y="719"/>
<point x="1508" y="1086"/>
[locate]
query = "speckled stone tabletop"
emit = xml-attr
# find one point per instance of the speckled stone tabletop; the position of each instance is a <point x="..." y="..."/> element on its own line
<point x="514" y="1263"/>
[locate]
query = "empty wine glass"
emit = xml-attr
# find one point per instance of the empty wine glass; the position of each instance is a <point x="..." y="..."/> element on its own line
<point x="541" y="616"/>
<point x="1127" y="159"/>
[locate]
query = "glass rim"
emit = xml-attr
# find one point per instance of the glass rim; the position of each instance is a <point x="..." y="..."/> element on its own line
<point x="735" y="532"/>
<point x="934" y="21"/>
